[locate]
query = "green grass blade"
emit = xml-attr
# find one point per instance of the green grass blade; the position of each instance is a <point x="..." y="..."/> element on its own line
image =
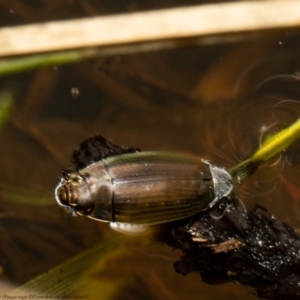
<point x="277" y="143"/>
<point x="272" y="146"/>
<point x="17" y="65"/>
<point x="70" y="275"/>
<point x="26" y="196"/>
<point x="6" y="104"/>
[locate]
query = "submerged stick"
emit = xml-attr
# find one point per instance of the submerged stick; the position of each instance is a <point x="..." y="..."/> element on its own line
<point x="153" y="26"/>
<point x="248" y="247"/>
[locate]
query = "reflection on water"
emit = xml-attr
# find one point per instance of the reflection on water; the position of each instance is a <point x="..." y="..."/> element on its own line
<point x="266" y="114"/>
<point x="143" y="100"/>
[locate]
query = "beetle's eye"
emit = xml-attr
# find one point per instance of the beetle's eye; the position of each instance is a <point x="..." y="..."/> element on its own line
<point x="65" y="174"/>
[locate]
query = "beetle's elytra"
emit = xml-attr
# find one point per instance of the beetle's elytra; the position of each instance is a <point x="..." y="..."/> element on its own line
<point x="116" y="184"/>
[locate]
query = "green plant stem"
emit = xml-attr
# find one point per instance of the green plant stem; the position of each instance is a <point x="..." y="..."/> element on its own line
<point x="273" y="145"/>
<point x="6" y="104"/>
<point x="17" y="65"/>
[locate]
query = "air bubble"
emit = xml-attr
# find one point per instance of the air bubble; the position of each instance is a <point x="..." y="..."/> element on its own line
<point x="75" y="92"/>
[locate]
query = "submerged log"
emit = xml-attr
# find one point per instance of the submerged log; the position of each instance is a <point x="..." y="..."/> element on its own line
<point x="228" y="243"/>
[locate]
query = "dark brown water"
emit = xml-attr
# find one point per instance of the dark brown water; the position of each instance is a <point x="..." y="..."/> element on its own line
<point x="218" y="102"/>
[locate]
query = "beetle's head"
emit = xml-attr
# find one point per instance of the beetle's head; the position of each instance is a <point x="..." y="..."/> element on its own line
<point x="73" y="193"/>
